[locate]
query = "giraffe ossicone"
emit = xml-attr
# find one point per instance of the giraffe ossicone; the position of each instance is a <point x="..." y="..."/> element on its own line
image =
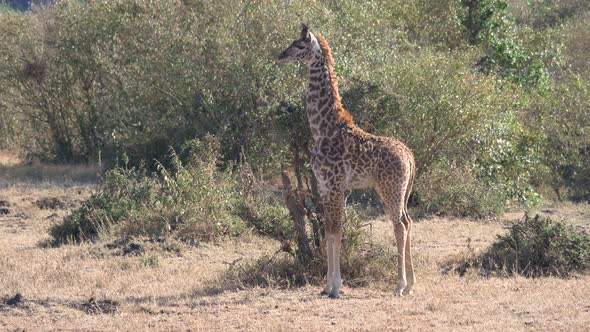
<point x="346" y="157"/>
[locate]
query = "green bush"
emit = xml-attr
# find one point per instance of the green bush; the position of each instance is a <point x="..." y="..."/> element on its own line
<point x="488" y="22"/>
<point x="538" y="246"/>
<point x="88" y="81"/>
<point x="463" y="127"/>
<point x="270" y="219"/>
<point x="562" y="118"/>
<point x="458" y="192"/>
<point x="122" y="191"/>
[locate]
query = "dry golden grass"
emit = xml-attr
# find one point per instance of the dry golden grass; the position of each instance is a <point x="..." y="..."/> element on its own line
<point x="15" y="172"/>
<point x="163" y="290"/>
<point x="8" y="158"/>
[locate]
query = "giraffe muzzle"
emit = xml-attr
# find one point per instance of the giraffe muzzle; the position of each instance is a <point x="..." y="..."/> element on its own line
<point x="282" y="59"/>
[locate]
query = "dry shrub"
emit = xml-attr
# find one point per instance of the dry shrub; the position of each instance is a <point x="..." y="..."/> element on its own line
<point x="14" y="301"/>
<point x="280" y="270"/>
<point x="533" y="247"/>
<point x="283" y="270"/>
<point x="362" y="262"/>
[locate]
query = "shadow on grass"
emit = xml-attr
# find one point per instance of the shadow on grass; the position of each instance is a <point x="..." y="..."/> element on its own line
<point x="192" y="299"/>
<point x="92" y="306"/>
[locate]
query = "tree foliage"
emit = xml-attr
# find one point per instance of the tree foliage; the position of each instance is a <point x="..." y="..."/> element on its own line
<point x="492" y="102"/>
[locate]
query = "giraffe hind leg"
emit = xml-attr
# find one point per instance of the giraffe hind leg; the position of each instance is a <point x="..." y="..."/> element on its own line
<point x="410" y="276"/>
<point x="400" y="239"/>
<point x="393" y="200"/>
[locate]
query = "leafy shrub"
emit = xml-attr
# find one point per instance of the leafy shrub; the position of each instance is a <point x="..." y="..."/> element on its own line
<point x="122" y="191"/>
<point x="488" y="22"/>
<point x="261" y="208"/>
<point x="562" y="118"/>
<point x="539" y="246"/>
<point x="268" y="218"/>
<point x="458" y="192"/>
<point x="508" y="158"/>
<point x="191" y="202"/>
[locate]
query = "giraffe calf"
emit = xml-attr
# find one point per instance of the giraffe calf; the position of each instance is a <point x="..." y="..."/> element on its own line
<point x="345" y="157"/>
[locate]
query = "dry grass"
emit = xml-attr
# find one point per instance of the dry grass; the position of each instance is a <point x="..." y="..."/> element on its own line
<point x="15" y="172"/>
<point x="92" y="287"/>
<point x="576" y="214"/>
<point x="8" y="158"/>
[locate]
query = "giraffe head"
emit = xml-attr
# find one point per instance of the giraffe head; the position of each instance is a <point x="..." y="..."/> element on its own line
<point x="300" y="49"/>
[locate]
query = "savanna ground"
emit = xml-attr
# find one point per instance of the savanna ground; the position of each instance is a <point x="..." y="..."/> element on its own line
<point x="140" y="285"/>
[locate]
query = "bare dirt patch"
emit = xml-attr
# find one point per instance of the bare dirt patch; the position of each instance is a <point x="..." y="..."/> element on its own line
<point x="50" y="203"/>
<point x="95" y="307"/>
<point x="126" y="247"/>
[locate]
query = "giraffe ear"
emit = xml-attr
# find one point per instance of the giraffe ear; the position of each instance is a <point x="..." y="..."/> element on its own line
<point x="305" y="32"/>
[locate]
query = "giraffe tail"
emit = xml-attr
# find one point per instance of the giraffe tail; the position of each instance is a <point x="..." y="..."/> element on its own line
<point x="409" y="187"/>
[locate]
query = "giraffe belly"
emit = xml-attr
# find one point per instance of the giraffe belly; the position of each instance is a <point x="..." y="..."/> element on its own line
<point x="359" y="178"/>
<point x="361" y="182"/>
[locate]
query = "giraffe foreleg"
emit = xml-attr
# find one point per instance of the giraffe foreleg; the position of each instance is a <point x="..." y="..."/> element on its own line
<point x="333" y="209"/>
<point x="330" y="259"/>
<point x="336" y="278"/>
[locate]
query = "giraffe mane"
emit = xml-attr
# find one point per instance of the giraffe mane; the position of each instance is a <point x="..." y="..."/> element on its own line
<point x="338" y="108"/>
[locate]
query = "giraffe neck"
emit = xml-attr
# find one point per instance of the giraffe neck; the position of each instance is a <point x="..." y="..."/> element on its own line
<point x="323" y="120"/>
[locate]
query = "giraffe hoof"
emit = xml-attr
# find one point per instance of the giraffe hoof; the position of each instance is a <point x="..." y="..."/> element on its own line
<point x="324" y="293"/>
<point x="399" y="289"/>
<point x="334" y="296"/>
<point x="408" y="290"/>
